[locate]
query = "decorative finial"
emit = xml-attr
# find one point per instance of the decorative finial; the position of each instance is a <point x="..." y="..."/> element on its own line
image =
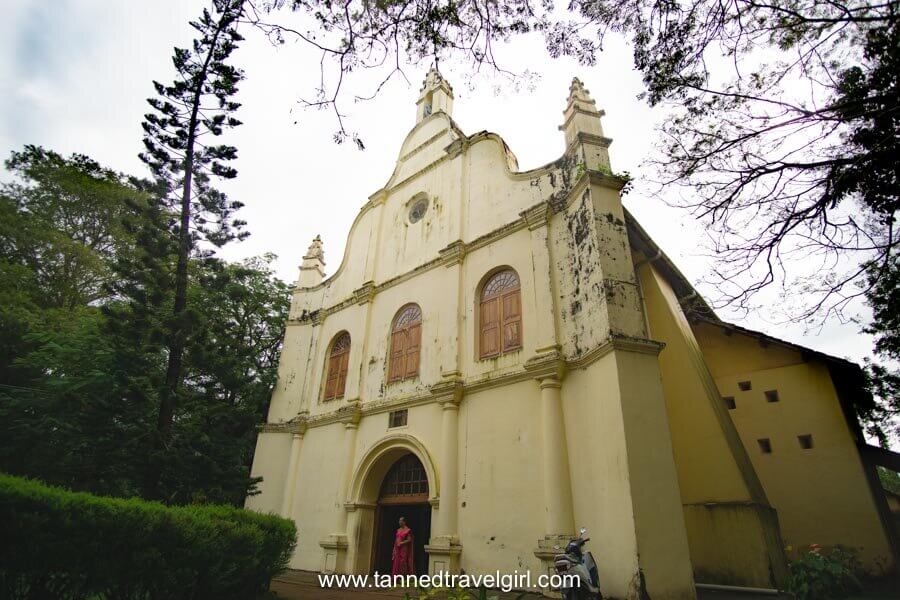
<point x="312" y="270"/>
<point x="432" y="79"/>
<point x="581" y="124"/>
<point x="315" y="250"/>
<point x="579" y="93"/>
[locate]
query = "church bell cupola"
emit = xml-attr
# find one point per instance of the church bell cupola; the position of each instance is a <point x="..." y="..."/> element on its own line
<point x="436" y="96"/>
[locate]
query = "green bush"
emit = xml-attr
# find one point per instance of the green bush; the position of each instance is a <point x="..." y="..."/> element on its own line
<point x="70" y="545"/>
<point x="824" y="574"/>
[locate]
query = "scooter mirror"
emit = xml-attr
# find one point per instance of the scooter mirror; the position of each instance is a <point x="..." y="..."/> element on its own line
<point x="582" y="531"/>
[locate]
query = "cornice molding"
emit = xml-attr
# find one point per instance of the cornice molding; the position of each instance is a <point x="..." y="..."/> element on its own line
<point x="576" y="110"/>
<point x="425" y="144"/>
<point x="537" y="216"/>
<point x="549" y="364"/>
<point x="453" y="254"/>
<point x="448" y="391"/>
<point x="365" y="294"/>
<point x="589" y="138"/>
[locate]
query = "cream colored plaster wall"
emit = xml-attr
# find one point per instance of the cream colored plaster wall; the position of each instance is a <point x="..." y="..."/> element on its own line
<point x="500" y="501"/>
<point x="428" y="291"/>
<point x="354" y="266"/>
<point x="273" y="449"/>
<point x="296" y="353"/>
<point x="821" y="494"/>
<point x="315" y="505"/>
<point x="662" y="542"/>
<point x="599" y="471"/>
<point x="623" y="477"/>
<point x="494" y="196"/>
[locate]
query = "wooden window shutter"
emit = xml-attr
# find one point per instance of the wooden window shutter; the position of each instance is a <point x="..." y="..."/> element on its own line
<point x="512" y="320"/>
<point x="500" y="314"/>
<point x="490" y="327"/>
<point x="413" y="345"/>
<point x="398" y="354"/>
<point x="331" y="380"/>
<point x="338" y="363"/>
<point x="342" y="375"/>
<point x="406" y="343"/>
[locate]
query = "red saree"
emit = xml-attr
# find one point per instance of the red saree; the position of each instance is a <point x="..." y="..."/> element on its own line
<point x="403" y="553"/>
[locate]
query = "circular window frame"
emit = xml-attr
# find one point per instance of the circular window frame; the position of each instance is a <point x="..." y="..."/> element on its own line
<point x="413" y="213"/>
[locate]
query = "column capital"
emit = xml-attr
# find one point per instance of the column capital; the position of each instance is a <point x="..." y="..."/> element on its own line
<point x="299" y="424"/>
<point x="550" y="382"/>
<point x="548" y="363"/>
<point x="449" y="392"/>
<point x="350" y="414"/>
<point x="453" y="253"/>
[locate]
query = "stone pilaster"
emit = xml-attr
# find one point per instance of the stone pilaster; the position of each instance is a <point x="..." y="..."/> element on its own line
<point x="298" y="428"/>
<point x="444" y="548"/>
<point x="549" y="371"/>
<point x="335" y="545"/>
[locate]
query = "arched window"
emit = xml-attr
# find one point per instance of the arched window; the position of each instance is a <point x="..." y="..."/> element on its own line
<point x="406" y="482"/>
<point x="338" y="359"/>
<point x="500" y="315"/>
<point x="406" y="341"/>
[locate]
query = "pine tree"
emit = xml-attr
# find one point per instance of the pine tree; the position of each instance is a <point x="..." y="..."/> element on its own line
<point x="196" y="108"/>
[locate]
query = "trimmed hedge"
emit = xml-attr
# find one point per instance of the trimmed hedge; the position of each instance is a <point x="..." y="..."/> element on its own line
<point x="60" y="544"/>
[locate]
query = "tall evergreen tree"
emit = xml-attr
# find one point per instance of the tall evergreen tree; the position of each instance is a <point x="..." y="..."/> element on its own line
<point x="195" y="108"/>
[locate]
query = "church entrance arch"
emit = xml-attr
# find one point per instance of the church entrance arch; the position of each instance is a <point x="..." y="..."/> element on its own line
<point x="395" y="478"/>
<point x="404" y="493"/>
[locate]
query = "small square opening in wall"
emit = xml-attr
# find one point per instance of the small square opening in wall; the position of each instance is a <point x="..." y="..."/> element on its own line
<point x="806" y="441"/>
<point x="771" y="395"/>
<point x="744" y="386"/>
<point x="397" y="418"/>
<point x="765" y="446"/>
<point x="729" y="402"/>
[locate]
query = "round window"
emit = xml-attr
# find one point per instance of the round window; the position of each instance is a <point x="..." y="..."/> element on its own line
<point x="417" y="210"/>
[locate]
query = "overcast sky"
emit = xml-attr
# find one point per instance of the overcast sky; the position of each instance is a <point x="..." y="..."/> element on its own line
<point x="74" y="76"/>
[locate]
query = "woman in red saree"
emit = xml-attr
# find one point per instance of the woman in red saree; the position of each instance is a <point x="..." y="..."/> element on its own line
<point x="403" y="551"/>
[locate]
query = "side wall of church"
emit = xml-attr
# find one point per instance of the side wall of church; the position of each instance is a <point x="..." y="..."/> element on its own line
<point x="821" y="493"/>
<point x="732" y="530"/>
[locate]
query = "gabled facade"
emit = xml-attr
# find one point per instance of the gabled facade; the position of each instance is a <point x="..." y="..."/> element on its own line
<point x="503" y="357"/>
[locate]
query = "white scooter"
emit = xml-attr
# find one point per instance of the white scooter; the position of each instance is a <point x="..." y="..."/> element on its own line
<point x="576" y="562"/>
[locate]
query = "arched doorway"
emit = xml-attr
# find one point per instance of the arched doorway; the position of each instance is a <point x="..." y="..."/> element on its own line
<point x="404" y="493"/>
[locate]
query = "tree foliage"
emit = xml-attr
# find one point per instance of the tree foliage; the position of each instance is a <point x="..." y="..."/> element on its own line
<point x="187" y="115"/>
<point x="81" y="383"/>
<point x="61" y="223"/>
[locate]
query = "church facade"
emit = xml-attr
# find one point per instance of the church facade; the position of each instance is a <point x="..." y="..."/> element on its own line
<point x="503" y="357"/>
